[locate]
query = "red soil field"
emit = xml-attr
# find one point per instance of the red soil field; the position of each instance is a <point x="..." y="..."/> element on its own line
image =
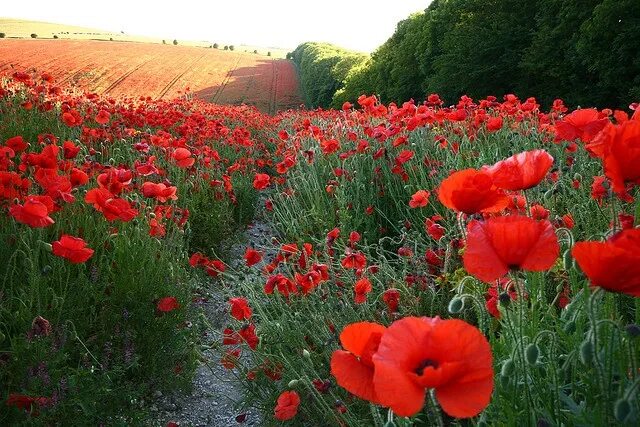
<point x="158" y="71"/>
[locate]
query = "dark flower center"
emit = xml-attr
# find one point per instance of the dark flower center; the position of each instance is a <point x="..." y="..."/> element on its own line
<point x="424" y="364"/>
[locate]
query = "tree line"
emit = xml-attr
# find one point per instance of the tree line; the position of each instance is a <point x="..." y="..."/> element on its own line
<point x="586" y="52"/>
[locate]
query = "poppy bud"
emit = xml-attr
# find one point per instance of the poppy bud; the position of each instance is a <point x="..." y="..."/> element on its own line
<point x="622" y="409"/>
<point x="507" y="368"/>
<point x="560" y="288"/>
<point x="577" y="176"/>
<point x="586" y="352"/>
<point x="633" y="330"/>
<point x="46" y="270"/>
<point x="46" y="246"/>
<point x="306" y="354"/>
<point x="570" y="327"/>
<point x="293" y="383"/>
<point x="531" y="354"/>
<point x="456" y="305"/>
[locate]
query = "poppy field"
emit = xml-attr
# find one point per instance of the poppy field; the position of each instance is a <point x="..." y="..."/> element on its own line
<point x="472" y="264"/>
<point x="129" y="69"/>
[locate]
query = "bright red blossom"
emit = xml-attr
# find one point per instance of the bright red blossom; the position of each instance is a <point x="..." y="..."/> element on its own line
<point x="419" y="199"/>
<point x="72" y="248"/>
<point x="505" y="243"/>
<point x="471" y="191"/>
<point x="521" y="171"/>
<point x="287" y="405"/>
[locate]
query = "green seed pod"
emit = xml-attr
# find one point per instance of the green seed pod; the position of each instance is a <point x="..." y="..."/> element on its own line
<point x="532" y="353"/>
<point x="586" y="352"/>
<point x="507" y="368"/>
<point x="47" y="246"/>
<point x="456" y="305"/>
<point x="569" y="327"/>
<point x="293" y="383"/>
<point x="622" y="409"/>
<point x="306" y="354"/>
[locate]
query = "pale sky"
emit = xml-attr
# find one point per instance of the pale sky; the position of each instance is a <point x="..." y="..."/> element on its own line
<point x="355" y="24"/>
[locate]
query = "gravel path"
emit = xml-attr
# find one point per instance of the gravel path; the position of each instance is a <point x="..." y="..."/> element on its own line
<point x="215" y="389"/>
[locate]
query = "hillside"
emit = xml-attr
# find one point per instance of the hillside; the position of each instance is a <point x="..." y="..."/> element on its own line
<point x="158" y="71"/>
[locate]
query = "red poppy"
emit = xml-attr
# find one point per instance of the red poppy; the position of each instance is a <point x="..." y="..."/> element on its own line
<point x="248" y="334"/>
<point x="284" y="285"/>
<point x="17" y="143"/>
<point x="613" y="265"/>
<point x="391" y="297"/>
<point x="287" y="405"/>
<point x="160" y="192"/>
<point x="72" y="248"/>
<point x="419" y="353"/>
<point x="581" y="124"/>
<point x="521" y="171"/>
<point x="361" y="289"/>
<point x="70" y="150"/>
<point x="240" y="309"/>
<point x="111" y="207"/>
<point x="34" y="212"/>
<point x="261" y="181"/>
<point x="494" y="124"/>
<point x="353" y="366"/>
<point x="72" y="118"/>
<point x="330" y="146"/>
<point x="103" y="117"/>
<point x="619" y="148"/>
<point x="183" y="158"/>
<point x="471" y="191"/>
<point x="167" y="304"/>
<point x="504" y="243"/>
<point x="419" y="199"/>
<point x="27" y="403"/>
<point x="354" y="260"/>
<point x="252" y="257"/>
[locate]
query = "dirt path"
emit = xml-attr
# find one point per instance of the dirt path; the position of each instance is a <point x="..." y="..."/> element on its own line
<point x="215" y="389"/>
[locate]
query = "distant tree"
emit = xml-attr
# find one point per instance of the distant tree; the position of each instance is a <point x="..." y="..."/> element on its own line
<point x="255" y="51"/>
<point x="110" y="39"/>
<point x="2" y="35"/>
<point x="55" y="36"/>
<point x="34" y="36"/>
<point x="216" y="45"/>
<point x="232" y="47"/>
<point x="175" y="42"/>
<point x="289" y="55"/>
<point x="269" y="53"/>
<point x="226" y="48"/>
<point x="164" y="42"/>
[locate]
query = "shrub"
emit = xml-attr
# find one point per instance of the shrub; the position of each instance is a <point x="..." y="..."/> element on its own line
<point x="255" y="51"/>
<point x="175" y="42"/>
<point x="232" y="47"/>
<point x="164" y="42"/>
<point x="2" y="35"/>
<point x="34" y="36"/>
<point x="226" y="48"/>
<point x="216" y="45"/>
<point x="269" y="53"/>
<point x="55" y="36"/>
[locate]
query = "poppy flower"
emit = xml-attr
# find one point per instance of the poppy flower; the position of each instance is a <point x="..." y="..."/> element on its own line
<point x="27" y="403"/>
<point x="582" y="124"/>
<point x="284" y="285"/>
<point x="111" y="207"/>
<point x="361" y="289"/>
<point x="103" y="117"/>
<point x="34" y="212"/>
<point x="494" y="124"/>
<point x="160" y="192"/>
<point x="261" y="181"/>
<point x="240" y="309"/>
<point x="391" y="297"/>
<point x="70" y="150"/>
<point x="419" y="353"/>
<point x="248" y="335"/>
<point x="72" y="118"/>
<point x="521" y="171"/>
<point x="419" y="199"/>
<point x="505" y="243"/>
<point x="167" y="304"/>
<point x="619" y="148"/>
<point x="252" y="257"/>
<point x="353" y="366"/>
<point x="471" y="191"/>
<point x="17" y="143"/>
<point x="354" y="260"/>
<point x="287" y="405"/>
<point x="72" y="248"/>
<point x="183" y="158"/>
<point x="613" y="265"/>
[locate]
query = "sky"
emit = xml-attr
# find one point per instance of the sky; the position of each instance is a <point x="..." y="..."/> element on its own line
<point x="361" y="25"/>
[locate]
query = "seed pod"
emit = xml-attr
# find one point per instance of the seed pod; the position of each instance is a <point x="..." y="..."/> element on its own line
<point x="507" y="368"/>
<point x="456" y="305"/>
<point x="306" y="354"/>
<point x="586" y="352"/>
<point x="531" y="353"/>
<point x="622" y="409"/>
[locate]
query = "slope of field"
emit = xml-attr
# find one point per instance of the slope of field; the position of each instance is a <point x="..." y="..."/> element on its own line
<point x="158" y="71"/>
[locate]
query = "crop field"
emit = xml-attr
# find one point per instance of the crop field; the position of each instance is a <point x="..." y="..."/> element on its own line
<point x="119" y="69"/>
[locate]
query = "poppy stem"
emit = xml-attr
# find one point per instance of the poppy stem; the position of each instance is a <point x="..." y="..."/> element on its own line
<point x="432" y="403"/>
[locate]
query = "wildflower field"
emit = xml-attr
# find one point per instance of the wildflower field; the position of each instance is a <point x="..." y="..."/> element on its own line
<point x="475" y="262"/>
